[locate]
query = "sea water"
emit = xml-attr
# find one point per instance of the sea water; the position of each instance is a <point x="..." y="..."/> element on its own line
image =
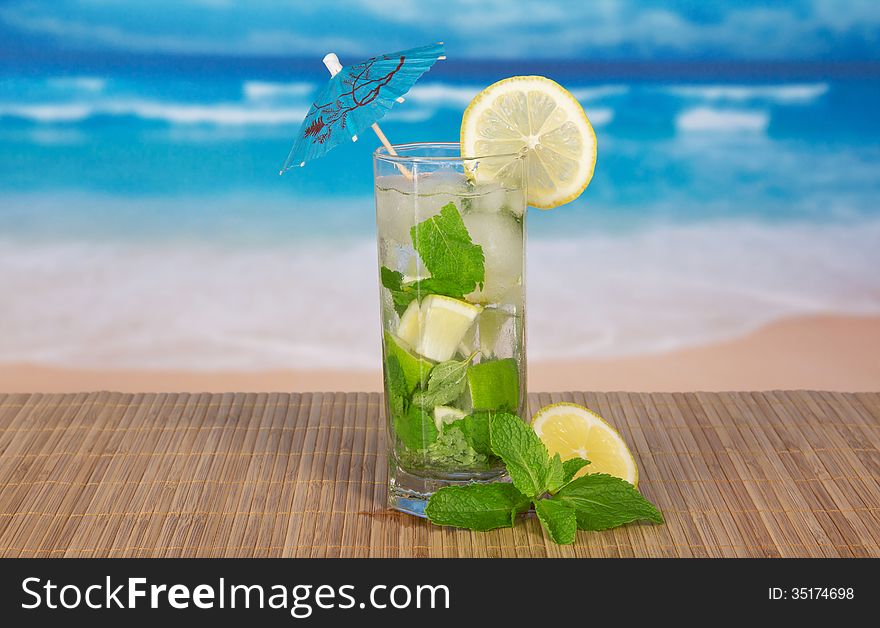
<point x="143" y="224"/>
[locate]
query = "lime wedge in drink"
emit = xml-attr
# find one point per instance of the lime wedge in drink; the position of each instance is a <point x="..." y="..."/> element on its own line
<point x="494" y="385"/>
<point x="468" y="344"/>
<point x="445" y="321"/>
<point x="415" y="368"/>
<point x="410" y="326"/>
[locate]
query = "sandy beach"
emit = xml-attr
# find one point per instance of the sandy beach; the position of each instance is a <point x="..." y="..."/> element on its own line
<point x="823" y="352"/>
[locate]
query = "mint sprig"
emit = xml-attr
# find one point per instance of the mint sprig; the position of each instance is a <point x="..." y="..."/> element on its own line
<point x="563" y="504"/>
<point x="456" y="264"/>
<point x="449" y="254"/>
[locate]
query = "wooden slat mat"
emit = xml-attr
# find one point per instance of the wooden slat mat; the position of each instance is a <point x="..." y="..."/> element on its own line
<point x="108" y="474"/>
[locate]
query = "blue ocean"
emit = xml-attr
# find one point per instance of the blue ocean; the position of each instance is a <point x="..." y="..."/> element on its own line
<point x="143" y="222"/>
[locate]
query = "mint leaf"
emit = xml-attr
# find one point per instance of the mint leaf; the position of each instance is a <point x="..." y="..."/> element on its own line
<point x="571" y="467"/>
<point x="476" y="429"/>
<point x="525" y="456"/>
<point x="416" y="428"/>
<point x="601" y="501"/>
<point x="395" y="386"/>
<point x="449" y="254"/>
<point x="402" y="295"/>
<point x="477" y="506"/>
<point x="391" y="279"/>
<point x="433" y="285"/>
<point x="558" y="519"/>
<point x="446" y="382"/>
<point x="555" y="474"/>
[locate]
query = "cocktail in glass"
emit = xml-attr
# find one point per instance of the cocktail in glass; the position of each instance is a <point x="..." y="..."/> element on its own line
<point x="451" y="236"/>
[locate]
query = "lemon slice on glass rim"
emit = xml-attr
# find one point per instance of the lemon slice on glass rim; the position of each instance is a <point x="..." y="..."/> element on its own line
<point x="536" y="115"/>
<point x="573" y="431"/>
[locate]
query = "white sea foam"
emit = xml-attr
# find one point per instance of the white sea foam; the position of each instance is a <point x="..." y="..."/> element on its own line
<point x="266" y="90"/>
<point x="724" y="120"/>
<point x="411" y="114"/>
<point x="56" y="136"/>
<point x="803" y="93"/>
<point x="314" y="305"/>
<point x="600" y="116"/>
<point x="79" y="83"/>
<point x="443" y="94"/>
<point x="673" y="287"/>
<point x="176" y="113"/>
<point x="459" y="96"/>
<point x="599" y="91"/>
<point x="423" y="101"/>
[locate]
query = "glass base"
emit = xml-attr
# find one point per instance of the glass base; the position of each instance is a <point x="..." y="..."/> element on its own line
<point x="410" y="493"/>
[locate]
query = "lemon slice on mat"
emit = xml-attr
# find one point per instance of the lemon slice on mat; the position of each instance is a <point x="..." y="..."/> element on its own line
<point x="573" y="431"/>
<point x="537" y="114"/>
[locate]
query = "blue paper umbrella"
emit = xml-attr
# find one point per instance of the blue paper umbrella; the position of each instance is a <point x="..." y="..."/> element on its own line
<point x="356" y="97"/>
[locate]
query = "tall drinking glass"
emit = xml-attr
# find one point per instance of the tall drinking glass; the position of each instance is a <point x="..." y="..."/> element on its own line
<point x="451" y="234"/>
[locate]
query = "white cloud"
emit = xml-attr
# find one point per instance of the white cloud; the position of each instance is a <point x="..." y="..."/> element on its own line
<point x="248" y="39"/>
<point x="496" y="28"/>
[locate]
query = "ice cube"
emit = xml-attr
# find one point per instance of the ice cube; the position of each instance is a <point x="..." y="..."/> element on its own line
<point x="493" y="197"/>
<point x="486" y="197"/>
<point x="402" y="202"/>
<point x="515" y="202"/>
<point x="501" y="237"/>
<point x="394" y="214"/>
<point x="438" y="189"/>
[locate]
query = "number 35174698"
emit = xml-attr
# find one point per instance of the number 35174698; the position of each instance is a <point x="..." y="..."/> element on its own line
<point x="811" y="593"/>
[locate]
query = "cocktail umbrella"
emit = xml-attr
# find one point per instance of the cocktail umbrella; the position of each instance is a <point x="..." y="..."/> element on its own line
<point x="356" y="97"/>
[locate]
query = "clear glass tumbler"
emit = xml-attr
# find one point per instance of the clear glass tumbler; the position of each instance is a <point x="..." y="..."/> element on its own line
<point x="451" y="235"/>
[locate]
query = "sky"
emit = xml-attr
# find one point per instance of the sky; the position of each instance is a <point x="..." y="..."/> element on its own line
<point x="795" y="30"/>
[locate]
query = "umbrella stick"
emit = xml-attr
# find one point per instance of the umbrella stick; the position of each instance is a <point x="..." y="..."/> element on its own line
<point x="383" y="139"/>
<point x="331" y="61"/>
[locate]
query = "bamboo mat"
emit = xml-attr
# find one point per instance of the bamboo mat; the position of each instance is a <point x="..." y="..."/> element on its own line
<point x="108" y="474"/>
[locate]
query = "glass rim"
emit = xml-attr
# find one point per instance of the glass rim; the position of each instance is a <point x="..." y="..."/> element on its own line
<point x="381" y="153"/>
